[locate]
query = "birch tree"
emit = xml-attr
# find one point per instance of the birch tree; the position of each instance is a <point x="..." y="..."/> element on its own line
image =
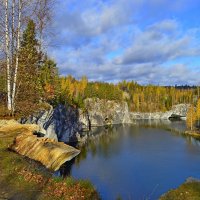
<point x="17" y="13"/>
<point x="7" y="41"/>
<point x="17" y="54"/>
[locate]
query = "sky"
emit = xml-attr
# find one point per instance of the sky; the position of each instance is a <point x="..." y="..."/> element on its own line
<point x="148" y="41"/>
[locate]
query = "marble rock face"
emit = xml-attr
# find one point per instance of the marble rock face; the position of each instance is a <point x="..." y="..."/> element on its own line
<point x="61" y="123"/>
<point x="102" y="112"/>
<point x="177" y="111"/>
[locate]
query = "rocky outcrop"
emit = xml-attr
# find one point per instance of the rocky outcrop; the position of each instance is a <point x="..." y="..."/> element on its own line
<point x="47" y="151"/>
<point x="27" y="142"/>
<point x="100" y="112"/>
<point x="177" y="111"/>
<point x="180" y="110"/>
<point x="65" y="123"/>
<point x="61" y="123"/>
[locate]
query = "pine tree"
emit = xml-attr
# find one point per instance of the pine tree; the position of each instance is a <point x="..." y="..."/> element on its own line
<point x="29" y="91"/>
<point x="49" y="79"/>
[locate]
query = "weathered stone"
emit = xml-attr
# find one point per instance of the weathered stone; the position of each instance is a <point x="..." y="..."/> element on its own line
<point x="102" y="112"/>
<point x="65" y="123"/>
<point x="8" y="122"/>
<point x="61" y="123"/>
<point x="179" y="111"/>
<point x="7" y="126"/>
<point x="50" y="153"/>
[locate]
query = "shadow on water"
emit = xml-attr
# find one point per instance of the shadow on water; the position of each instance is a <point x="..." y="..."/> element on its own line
<point x="65" y="169"/>
<point x="137" y="161"/>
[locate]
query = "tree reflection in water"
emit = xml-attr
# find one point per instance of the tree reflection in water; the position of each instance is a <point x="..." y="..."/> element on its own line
<point x="100" y="138"/>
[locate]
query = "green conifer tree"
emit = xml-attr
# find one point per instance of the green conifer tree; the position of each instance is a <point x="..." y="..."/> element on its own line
<point x="29" y="90"/>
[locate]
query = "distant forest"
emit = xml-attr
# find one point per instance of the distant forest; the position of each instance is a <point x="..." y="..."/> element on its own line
<point x="140" y="98"/>
<point x="67" y="90"/>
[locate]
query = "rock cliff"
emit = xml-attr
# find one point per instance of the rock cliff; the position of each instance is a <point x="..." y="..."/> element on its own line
<point x="61" y="123"/>
<point x="177" y="111"/>
<point x="100" y="112"/>
<point x="65" y="123"/>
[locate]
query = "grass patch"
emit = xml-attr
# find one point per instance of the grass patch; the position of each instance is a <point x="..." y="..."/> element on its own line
<point x="70" y="181"/>
<point x="57" y="179"/>
<point x="187" y="191"/>
<point x="86" y="184"/>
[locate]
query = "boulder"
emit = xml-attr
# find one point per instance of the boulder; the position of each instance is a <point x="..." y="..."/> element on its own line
<point x="47" y="151"/>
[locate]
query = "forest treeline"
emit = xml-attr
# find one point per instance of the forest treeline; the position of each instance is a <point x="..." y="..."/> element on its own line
<point x="45" y="85"/>
<point x="140" y="98"/>
<point x="29" y="78"/>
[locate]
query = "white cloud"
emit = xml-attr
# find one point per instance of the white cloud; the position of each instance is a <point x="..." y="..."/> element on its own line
<point x="159" y="43"/>
<point x="89" y="31"/>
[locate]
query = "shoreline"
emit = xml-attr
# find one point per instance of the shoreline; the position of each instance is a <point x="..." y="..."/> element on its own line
<point x="189" y="190"/>
<point x="32" y="174"/>
<point x="24" y="178"/>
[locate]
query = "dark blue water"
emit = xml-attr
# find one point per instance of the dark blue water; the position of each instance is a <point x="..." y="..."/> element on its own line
<point x="140" y="161"/>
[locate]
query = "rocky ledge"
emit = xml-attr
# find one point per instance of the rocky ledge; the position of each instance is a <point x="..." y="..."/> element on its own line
<point x="177" y="111"/>
<point x="49" y="152"/>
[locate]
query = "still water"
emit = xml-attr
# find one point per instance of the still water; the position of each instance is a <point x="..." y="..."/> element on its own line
<point x="140" y="161"/>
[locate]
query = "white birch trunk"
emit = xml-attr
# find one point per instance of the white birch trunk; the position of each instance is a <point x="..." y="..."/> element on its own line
<point x="13" y="32"/>
<point x="9" y="99"/>
<point x="17" y="55"/>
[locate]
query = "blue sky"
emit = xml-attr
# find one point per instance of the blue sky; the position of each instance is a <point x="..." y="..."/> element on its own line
<point x="148" y="41"/>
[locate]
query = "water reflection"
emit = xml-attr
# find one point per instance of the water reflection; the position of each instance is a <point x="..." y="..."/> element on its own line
<point x="136" y="161"/>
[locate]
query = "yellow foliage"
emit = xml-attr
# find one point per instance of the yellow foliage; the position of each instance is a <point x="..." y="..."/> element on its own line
<point x="191" y="117"/>
<point x="198" y="112"/>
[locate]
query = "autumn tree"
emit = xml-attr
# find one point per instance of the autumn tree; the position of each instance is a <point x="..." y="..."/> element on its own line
<point x="49" y="79"/>
<point x="191" y="117"/>
<point x="198" y="112"/>
<point x="13" y="20"/>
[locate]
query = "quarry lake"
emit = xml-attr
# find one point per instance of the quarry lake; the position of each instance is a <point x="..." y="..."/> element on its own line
<point x="139" y="161"/>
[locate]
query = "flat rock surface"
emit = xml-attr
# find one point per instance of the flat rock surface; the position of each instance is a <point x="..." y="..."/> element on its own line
<point x="49" y="152"/>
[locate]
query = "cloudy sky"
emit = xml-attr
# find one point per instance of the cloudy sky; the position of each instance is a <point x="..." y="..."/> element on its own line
<point x="148" y="41"/>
